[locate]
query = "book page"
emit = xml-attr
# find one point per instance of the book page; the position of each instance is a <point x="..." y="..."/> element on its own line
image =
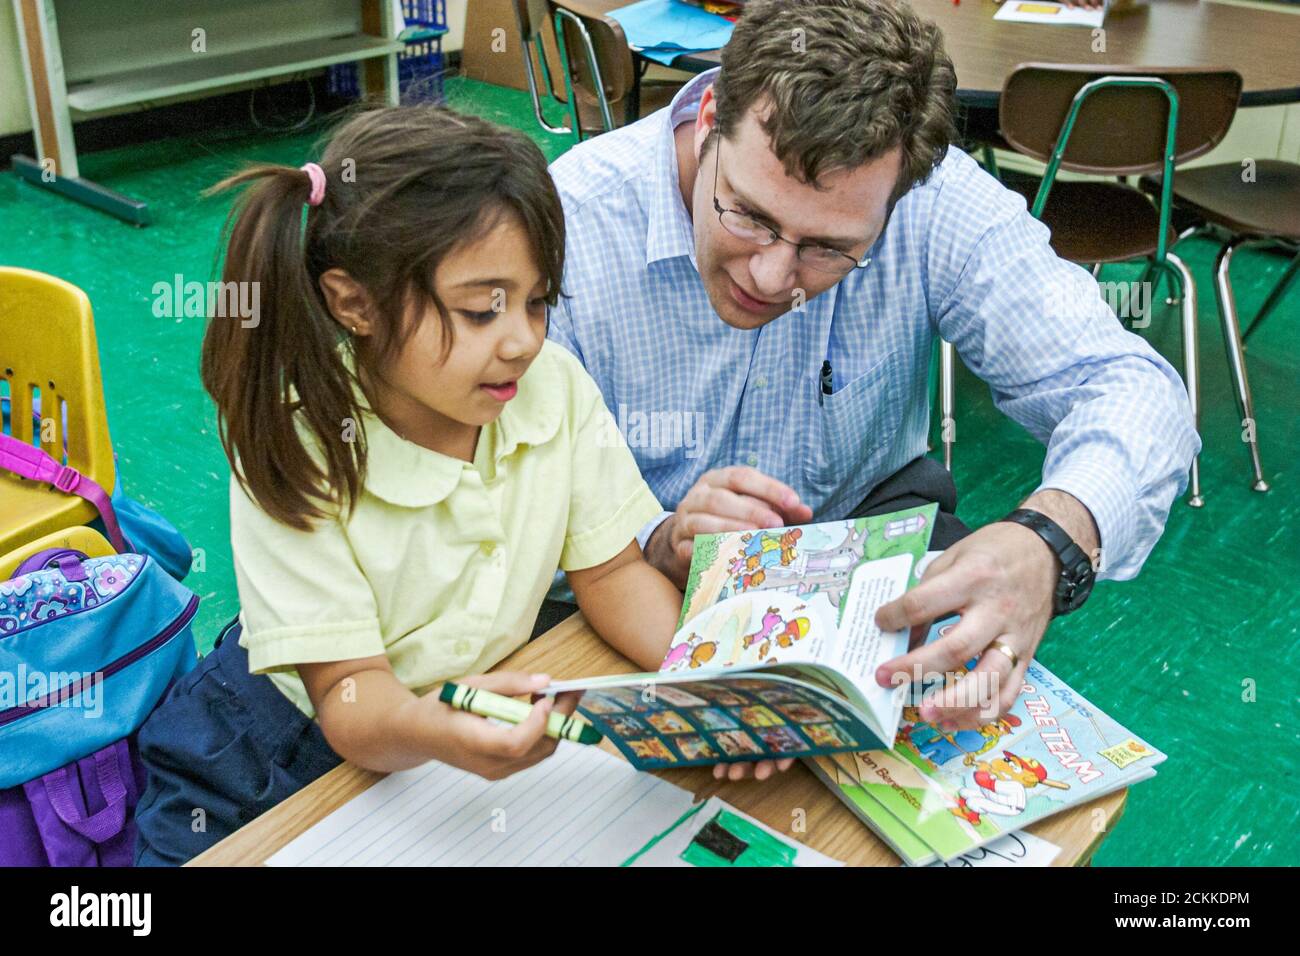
<point x="716" y="715"/>
<point x="861" y="646"/>
<point x="813" y="562"/>
<point x="764" y="627"/>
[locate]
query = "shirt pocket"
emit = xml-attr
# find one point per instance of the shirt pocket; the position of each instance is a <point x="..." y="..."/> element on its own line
<point x="845" y="433"/>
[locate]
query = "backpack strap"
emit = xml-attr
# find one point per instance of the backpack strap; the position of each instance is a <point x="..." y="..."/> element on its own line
<point x="29" y="461"/>
<point x="107" y="822"/>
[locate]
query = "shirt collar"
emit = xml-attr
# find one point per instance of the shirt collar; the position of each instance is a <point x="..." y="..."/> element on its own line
<point x="670" y="233"/>
<point x="412" y="476"/>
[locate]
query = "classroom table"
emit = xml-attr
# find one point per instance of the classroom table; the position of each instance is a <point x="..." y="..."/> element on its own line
<point x="1262" y="44"/>
<point x="572" y="649"/>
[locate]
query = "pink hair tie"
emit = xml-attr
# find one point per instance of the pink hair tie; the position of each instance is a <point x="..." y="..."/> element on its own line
<point x="317" y="176"/>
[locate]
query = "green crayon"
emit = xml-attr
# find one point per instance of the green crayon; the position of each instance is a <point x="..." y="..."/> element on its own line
<point x="487" y="704"/>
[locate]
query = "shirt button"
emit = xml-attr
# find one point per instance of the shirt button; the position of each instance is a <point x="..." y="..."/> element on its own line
<point x="488" y="548"/>
<point x="462" y="647"/>
<point x="761" y="382"/>
<point x="752" y="461"/>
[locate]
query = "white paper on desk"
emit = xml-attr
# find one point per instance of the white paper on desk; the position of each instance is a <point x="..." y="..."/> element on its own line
<point x="1018" y="849"/>
<point x="580" y="807"/>
<point x="1054" y="14"/>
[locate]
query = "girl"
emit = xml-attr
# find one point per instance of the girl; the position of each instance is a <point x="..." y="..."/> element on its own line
<point x="411" y="461"/>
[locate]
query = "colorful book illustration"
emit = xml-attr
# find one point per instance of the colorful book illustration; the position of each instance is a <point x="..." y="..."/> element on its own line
<point x="776" y="650"/>
<point x="936" y="795"/>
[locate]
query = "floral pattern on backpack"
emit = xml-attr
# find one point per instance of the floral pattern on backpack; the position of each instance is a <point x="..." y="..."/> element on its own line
<point x="38" y="597"/>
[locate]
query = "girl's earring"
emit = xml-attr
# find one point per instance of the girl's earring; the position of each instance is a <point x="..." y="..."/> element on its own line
<point x="354" y="330"/>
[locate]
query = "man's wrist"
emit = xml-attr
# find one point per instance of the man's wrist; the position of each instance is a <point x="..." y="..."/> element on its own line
<point x="1072" y="515"/>
<point x="1073" y="567"/>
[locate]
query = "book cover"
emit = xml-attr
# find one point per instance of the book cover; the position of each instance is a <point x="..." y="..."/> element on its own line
<point x="954" y="792"/>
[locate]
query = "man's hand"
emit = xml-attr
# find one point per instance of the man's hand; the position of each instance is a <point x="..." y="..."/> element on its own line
<point x="725" y="499"/>
<point x="1001" y="580"/>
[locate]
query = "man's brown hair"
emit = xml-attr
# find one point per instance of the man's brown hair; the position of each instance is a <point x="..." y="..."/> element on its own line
<point x="847" y="81"/>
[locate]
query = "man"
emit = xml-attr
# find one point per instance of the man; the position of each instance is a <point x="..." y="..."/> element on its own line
<point x="766" y="264"/>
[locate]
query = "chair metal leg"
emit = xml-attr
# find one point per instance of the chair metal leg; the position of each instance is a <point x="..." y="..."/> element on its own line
<point x="1273" y="298"/>
<point x="593" y="66"/>
<point x="991" y="162"/>
<point x="1236" y="359"/>
<point x="1181" y="281"/>
<point x="947" y="394"/>
<point x="533" y="92"/>
<point x="1196" y="229"/>
<point x="1150" y="272"/>
<point x="1147" y="270"/>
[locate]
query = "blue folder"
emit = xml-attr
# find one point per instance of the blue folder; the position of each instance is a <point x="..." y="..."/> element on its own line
<point x="664" y="29"/>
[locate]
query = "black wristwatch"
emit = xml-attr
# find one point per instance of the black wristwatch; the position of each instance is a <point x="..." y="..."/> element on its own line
<point x="1077" y="574"/>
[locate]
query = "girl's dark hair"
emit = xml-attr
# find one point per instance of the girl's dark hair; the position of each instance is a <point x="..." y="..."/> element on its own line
<point x="405" y="186"/>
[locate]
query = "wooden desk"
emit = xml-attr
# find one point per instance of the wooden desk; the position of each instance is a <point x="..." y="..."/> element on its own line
<point x="1262" y="44"/>
<point x="571" y="649"/>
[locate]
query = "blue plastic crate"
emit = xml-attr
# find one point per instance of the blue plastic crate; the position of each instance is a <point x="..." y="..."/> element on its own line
<point x="419" y="66"/>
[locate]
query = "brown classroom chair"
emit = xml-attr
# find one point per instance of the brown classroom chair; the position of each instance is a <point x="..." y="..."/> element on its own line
<point x="598" y="70"/>
<point x="1119" y="121"/>
<point x="1244" y="203"/>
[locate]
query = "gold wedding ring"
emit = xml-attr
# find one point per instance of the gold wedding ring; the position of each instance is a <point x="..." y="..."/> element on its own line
<point x="1005" y="649"/>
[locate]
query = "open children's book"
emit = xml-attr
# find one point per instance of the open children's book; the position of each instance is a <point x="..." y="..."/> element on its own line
<point x="776" y="650"/>
<point x="937" y="795"/>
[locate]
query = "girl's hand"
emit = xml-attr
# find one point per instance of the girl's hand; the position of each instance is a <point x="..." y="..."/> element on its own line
<point x="490" y="750"/>
<point x="762" y="769"/>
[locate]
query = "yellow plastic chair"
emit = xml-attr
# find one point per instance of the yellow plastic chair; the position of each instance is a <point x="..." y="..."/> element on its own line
<point x="47" y="347"/>
<point x="86" y="540"/>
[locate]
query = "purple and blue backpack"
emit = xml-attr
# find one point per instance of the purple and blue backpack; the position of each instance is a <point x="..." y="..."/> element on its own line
<point x="88" y="648"/>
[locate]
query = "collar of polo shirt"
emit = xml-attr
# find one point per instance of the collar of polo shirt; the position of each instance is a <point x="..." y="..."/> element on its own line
<point x="412" y="476"/>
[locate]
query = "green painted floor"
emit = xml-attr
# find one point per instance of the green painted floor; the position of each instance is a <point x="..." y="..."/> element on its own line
<point x="1170" y="654"/>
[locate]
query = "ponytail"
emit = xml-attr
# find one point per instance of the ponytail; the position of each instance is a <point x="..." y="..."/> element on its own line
<point x="262" y="374"/>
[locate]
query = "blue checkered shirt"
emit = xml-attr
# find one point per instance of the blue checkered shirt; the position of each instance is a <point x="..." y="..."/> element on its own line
<point x="960" y="258"/>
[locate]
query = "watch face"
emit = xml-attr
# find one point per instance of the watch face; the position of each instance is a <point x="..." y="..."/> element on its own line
<point x="1076" y="585"/>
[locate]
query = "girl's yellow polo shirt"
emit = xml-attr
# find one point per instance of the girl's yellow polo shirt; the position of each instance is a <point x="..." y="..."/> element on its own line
<point x="442" y="564"/>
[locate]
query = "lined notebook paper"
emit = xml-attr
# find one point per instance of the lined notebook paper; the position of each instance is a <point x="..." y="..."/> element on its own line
<point x="580" y="807"/>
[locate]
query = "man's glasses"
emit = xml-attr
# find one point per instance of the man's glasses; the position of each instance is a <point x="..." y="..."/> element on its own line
<point x="746" y="227"/>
